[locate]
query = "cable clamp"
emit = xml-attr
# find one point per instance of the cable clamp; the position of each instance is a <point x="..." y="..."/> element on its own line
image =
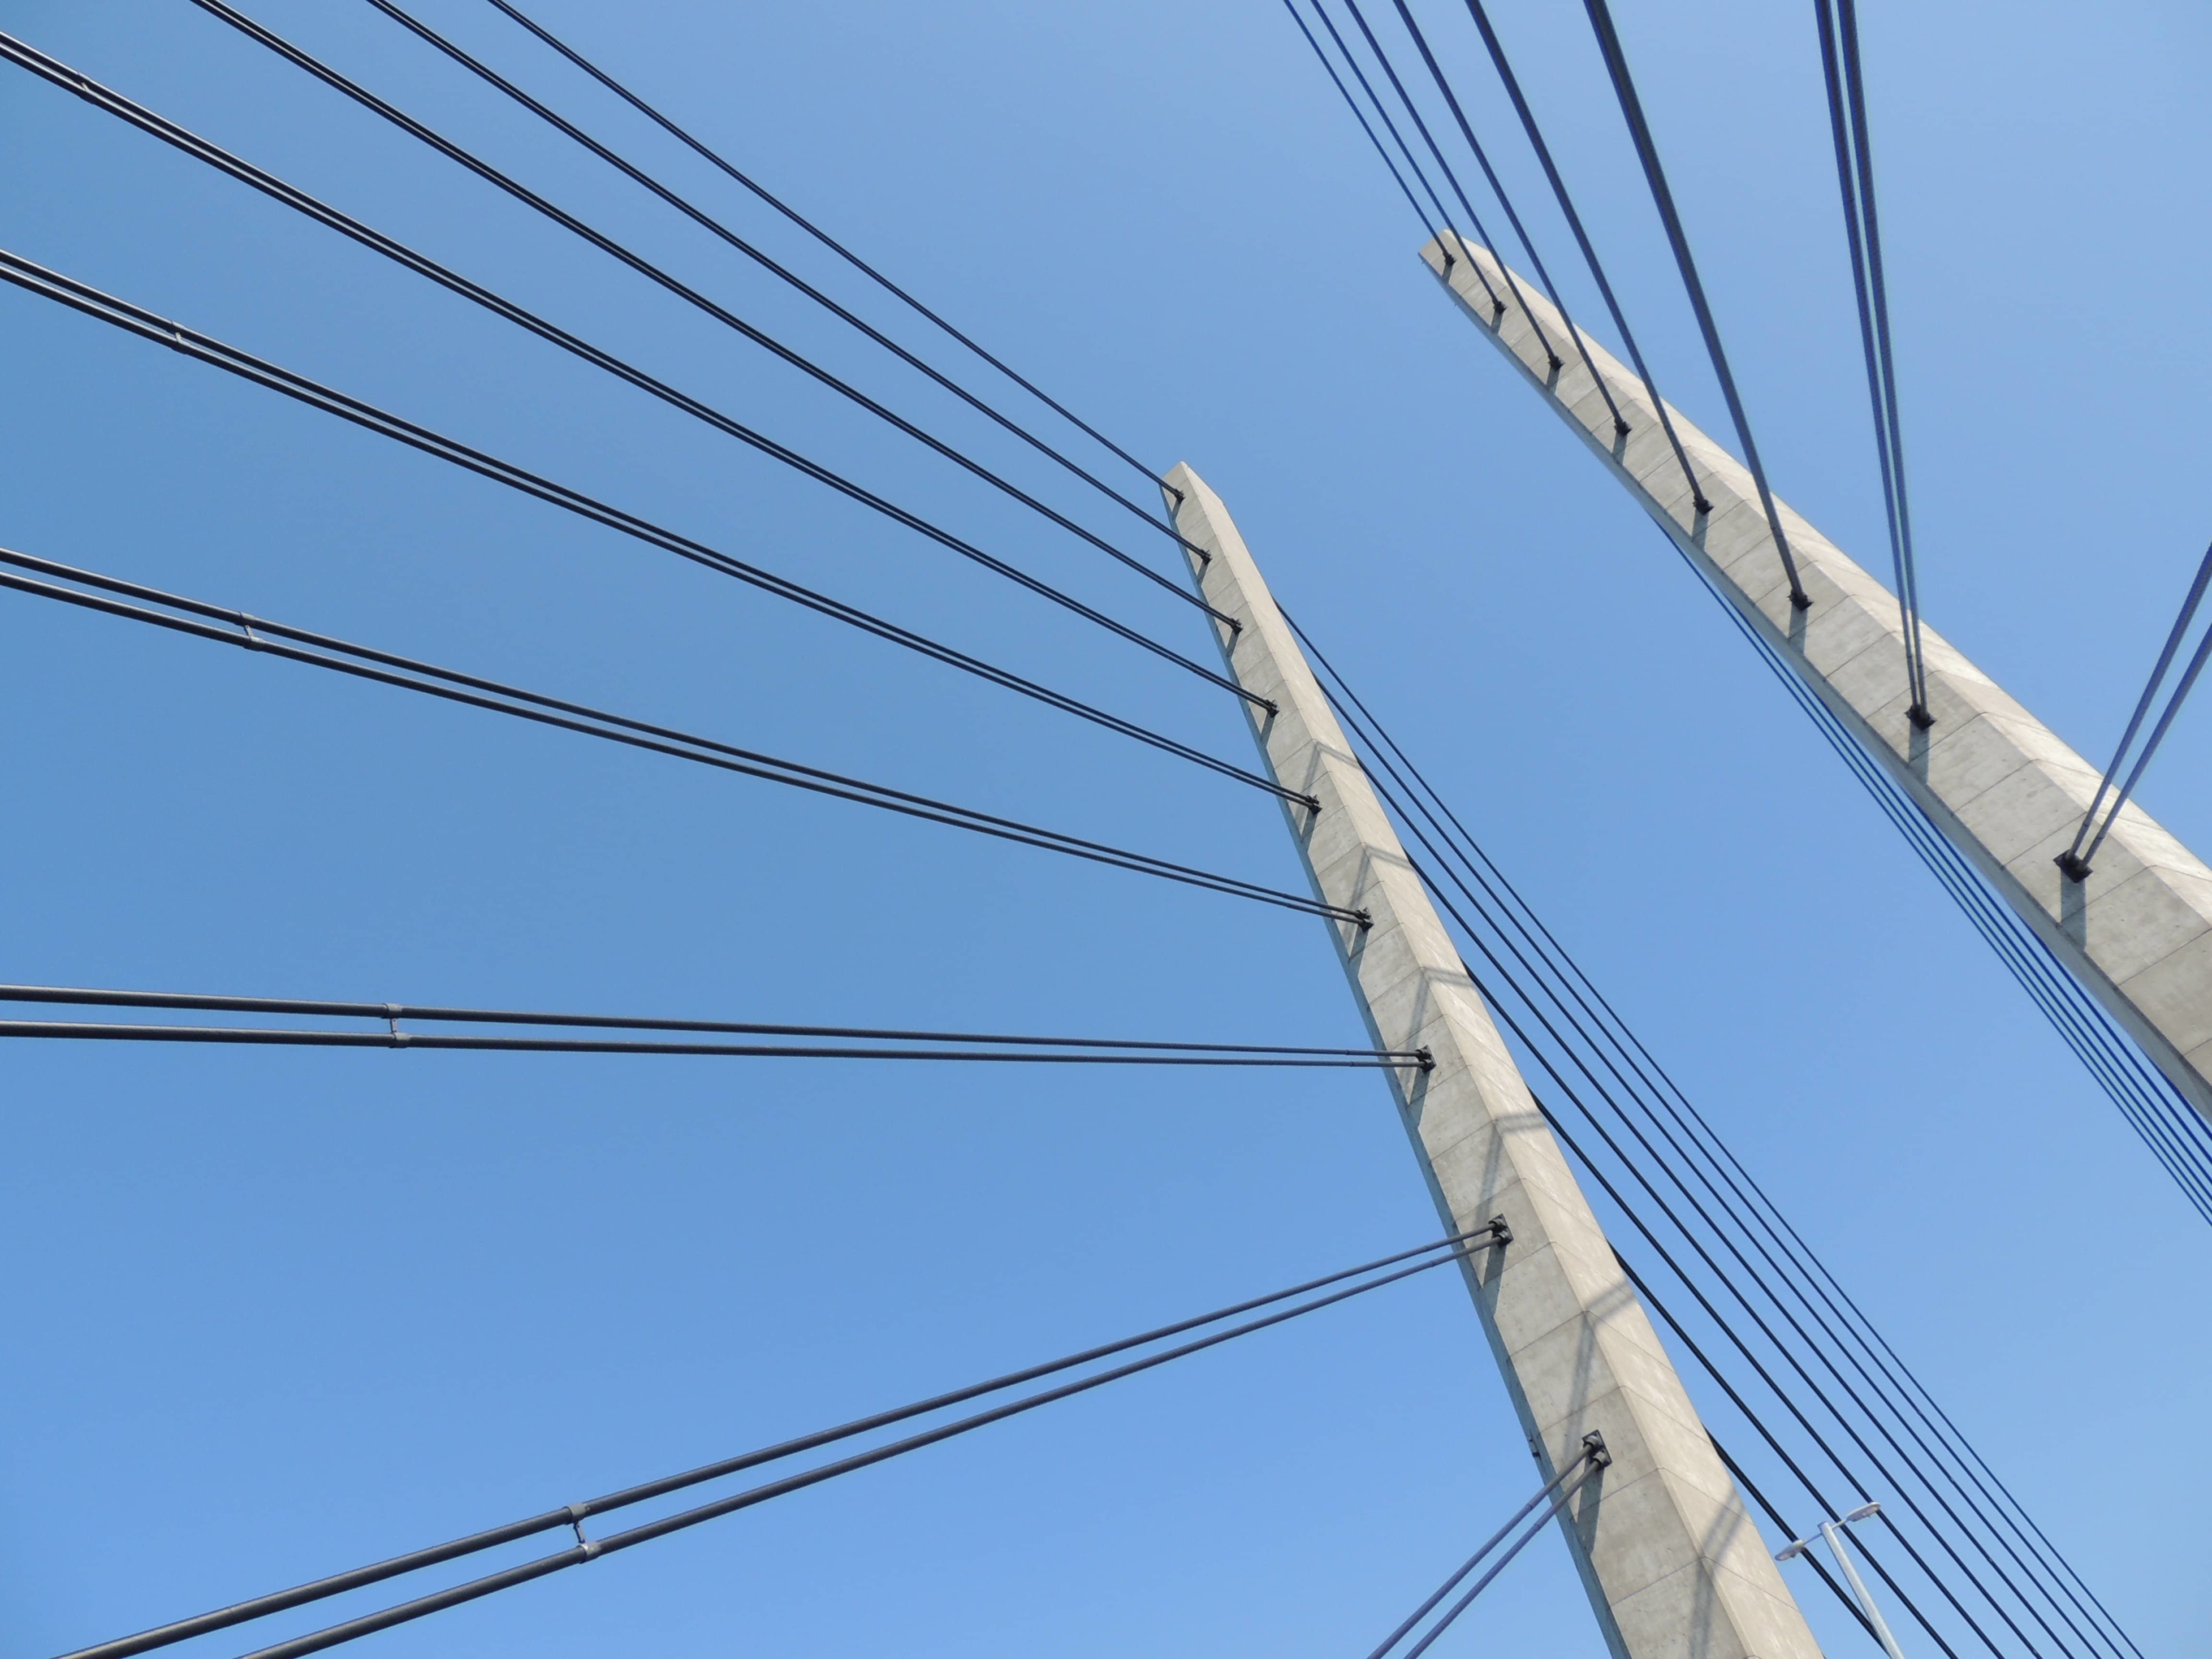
<point x="576" y="1513"/>
<point x="246" y="627"/>
<point x="399" y="1038"/>
<point x="1593" y="1450"/>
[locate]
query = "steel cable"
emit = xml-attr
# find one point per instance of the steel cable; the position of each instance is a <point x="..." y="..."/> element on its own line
<point x="2074" y="861"/>
<point x="838" y="248"/>
<point x="1512" y="282"/>
<point x="653" y="273"/>
<point x="1601" y="22"/>
<point x="473" y="691"/>
<point x="146" y="120"/>
<point x="1520" y="231"/>
<point x="1359" y="115"/>
<point x="1512" y="85"/>
<point x="1855" y="172"/>
<point x="1492" y="909"/>
<point x="782" y="273"/>
<point x="205" y="349"/>
<point x="1457" y="1248"/>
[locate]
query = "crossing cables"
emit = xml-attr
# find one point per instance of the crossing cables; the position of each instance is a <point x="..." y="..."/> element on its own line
<point x="1369" y="1276"/>
<point x="1855" y="172"/>
<point x="1787" y="1328"/>
<point x="2075" y="860"/>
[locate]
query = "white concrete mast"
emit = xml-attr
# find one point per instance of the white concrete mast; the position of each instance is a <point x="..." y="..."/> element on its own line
<point x="1673" y="1564"/>
<point x="1996" y="781"/>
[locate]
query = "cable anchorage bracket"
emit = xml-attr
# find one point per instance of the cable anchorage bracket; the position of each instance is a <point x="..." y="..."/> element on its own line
<point x="1500" y="1234"/>
<point x="1593" y="1450"/>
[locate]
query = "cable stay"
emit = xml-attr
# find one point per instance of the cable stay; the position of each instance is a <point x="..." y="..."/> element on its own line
<point x="60" y="75"/>
<point x="1560" y="1490"/>
<point x="945" y="1045"/>
<point x="2075" y="860"/>
<point x="689" y="295"/>
<point x="1372" y="1275"/>
<point x="723" y="232"/>
<point x="1609" y="44"/>
<point x="838" y="248"/>
<point x="1512" y="85"/>
<point x="1391" y="72"/>
<point x="320" y="650"/>
<point x="1359" y="115"/>
<point x="1810" y="1312"/>
<point x="147" y="325"/>
<point x="1520" y="231"/>
<point x="1855" y="172"/>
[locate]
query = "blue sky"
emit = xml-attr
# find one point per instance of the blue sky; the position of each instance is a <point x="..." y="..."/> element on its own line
<point x="275" y="1313"/>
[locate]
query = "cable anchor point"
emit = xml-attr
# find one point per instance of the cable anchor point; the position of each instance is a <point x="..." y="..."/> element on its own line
<point x="2072" y="865"/>
<point x="1919" y="716"/>
<point x="1593" y="1450"/>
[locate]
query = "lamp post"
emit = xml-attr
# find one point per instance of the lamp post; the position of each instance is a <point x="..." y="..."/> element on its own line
<point x="1833" y="1531"/>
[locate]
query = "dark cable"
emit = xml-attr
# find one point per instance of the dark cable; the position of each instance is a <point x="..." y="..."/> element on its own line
<point x="1855" y="172"/>
<point x="654" y="274"/>
<point x="1457" y="1249"/>
<point x="1521" y="231"/>
<point x="722" y="232"/>
<point x="2074" y="862"/>
<point x="835" y="247"/>
<point x="1466" y="1601"/>
<point x="76" y="996"/>
<point x="1442" y="222"/>
<point x="1601" y="20"/>
<point x="1358" y="114"/>
<point x="1654" y="1151"/>
<point x="205" y="349"/>
<point x="490" y="695"/>
<point x="1582" y="1462"/>
<point x="1769" y="1257"/>
<point x="1512" y="283"/>
<point x="1589" y="251"/>
<point x="63" y="75"/>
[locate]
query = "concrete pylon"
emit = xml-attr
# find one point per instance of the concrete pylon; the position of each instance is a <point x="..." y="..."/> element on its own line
<point x="1994" y="779"/>
<point x="1673" y="1564"/>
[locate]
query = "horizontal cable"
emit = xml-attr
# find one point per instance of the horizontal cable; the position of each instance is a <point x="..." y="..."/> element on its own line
<point x="826" y="241"/>
<point x="1458" y="1248"/>
<point x="257" y="634"/>
<point x="1071" y="1050"/>
<point x="147" y="325"/>
<point x="200" y="149"/>
<point x="689" y="295"/>
<point x="782" y="273"/>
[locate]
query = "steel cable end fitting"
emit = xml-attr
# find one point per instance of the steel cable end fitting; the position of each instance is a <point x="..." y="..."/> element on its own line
<point x="1427" y="1061"/>
<point x="1593" y="1450"/>
<point x="1365" y="919"/>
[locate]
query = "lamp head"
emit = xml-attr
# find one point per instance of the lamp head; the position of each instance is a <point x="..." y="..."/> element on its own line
<point x="1791" y="1552"/>
<point x="1864" y="1512"/>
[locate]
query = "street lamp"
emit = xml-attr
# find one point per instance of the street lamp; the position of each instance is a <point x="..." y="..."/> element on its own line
<point x="1832" y="1532"/>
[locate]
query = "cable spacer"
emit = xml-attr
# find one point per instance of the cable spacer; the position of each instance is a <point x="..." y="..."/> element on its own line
<point x="391" y="1013"/>
<point x="246" y="627"/>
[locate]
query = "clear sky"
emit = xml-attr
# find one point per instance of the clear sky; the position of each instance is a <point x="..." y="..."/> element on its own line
<point x="271" y="1313"/>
